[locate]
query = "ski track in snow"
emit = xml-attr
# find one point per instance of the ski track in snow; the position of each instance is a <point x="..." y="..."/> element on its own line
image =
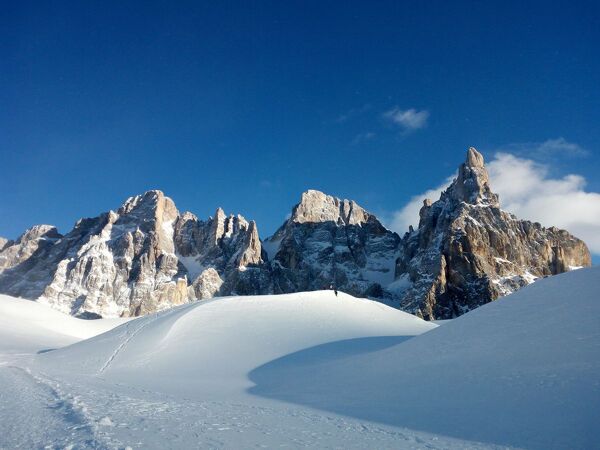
<point x="145" y="321"/>
<point x="106" y="415"/>
<point x="41" y="415"/>
<point x="91" y="413"/>
<point x="126" y="341"/>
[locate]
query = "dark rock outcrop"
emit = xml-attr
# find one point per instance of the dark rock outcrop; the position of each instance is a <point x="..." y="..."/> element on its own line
<point x="331" y="241"/>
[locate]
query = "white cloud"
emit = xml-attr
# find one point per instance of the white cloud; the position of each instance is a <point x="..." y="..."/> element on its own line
<point x="407" y="119"/>
<point x="527" y="190"/>
<point x="550" y="148"/>
<point x="561" y="145"/>
<point x="363" y="137"/>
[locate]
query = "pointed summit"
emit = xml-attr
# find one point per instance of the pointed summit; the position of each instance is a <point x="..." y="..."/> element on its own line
<point x="472" y="184"/>
<point x="474" y="158"/>
<point x="3" y="243"/>
<point x="468" y="252"/>
<point x="151" y="198"/>
<point x="316" y="207"/>
<point x="329" y="241"/>
<point x="150" y="211"/>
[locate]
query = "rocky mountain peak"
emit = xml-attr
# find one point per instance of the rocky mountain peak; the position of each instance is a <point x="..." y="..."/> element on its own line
<point x="472" y="183"/>
<point x="151" y="205"/>
<point x="142" y="257"/>
<point x="331" y="241"/>
<point x="474" y="158"/>
<point x="468" y="252"/>
<point x="147" y="200"/>
<point x="187" y="216"/>
<point x="224" y="226"/>
<point x="150" y="212"/>
<point x="220" y="214"/>
<point x="31" y="241"/>
<point x="317" y="207"/>
<point x="218" y="226"/>
<point x="252" y="248"/>
<point x="39" y="232"/>
<point x="222" y="255"/>
<point x="145" y="256"/>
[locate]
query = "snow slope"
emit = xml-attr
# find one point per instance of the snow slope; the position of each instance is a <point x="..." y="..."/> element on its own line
<point x="179" y="379"/>
<point x="27" y="326"/>
<point x="522" y="371"/>
<point x="319" y="371"/>
<point x="206" y="349"/>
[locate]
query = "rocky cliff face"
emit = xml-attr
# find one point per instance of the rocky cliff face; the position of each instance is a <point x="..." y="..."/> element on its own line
<point x="467" y="252"/>
<point x="34" y="239"/>
<point x="119" y="263"/>
<point x="222" y="255"/>
<point x="331" y="241"/>
<point x="130" y="261"/>
<point x="147" y="256"/>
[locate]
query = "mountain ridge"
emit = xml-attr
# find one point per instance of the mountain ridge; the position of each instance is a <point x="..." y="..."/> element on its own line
<point x="146" y="255"/>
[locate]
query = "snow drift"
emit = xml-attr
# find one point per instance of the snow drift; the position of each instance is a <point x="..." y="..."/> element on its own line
<point x="207" y="348"/>
<point x="310" y="369"/>
<point x="28" y="326"/>
<point x="522" y="371"/>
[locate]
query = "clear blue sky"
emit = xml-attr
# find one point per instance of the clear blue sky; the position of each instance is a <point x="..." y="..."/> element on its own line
<point x="245" y="105"/>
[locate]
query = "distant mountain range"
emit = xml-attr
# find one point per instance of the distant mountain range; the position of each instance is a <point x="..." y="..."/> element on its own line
<point x="147" y="256"/>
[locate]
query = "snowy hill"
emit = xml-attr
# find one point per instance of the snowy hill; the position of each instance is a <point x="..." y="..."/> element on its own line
<point x="522" y="371"/>
<point x="27" y="326"/>
<point x="179" y="379"/>
<point x="315" y="370"/>
<point x="211" y="346"/>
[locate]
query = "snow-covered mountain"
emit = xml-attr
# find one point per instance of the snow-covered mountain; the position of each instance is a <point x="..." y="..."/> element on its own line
<point x="331" y="241"/>
<point x="146" y="256"/>
<point x="141" y="258"/>
<point x="467" y="251"/>
<point x="221" y="256"/>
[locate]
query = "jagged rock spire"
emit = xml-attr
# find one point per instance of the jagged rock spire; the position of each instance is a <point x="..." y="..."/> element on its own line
<point x="474" y="158"/>
<point x="468" y="252"/>
<point x="472" y="184"/>
<point x="218" y="225"/>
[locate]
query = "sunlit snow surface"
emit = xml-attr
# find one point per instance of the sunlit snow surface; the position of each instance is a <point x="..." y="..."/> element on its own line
<point x="308" y="370"/>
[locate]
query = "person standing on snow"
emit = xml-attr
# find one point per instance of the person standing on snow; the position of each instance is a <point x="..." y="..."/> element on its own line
<point x="333" y="288"/>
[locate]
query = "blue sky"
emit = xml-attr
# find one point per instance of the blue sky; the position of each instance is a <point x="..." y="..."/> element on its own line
<point x="245" y="105"/>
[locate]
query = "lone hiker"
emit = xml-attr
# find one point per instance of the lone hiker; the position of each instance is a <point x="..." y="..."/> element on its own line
<point x="333" y="288"/>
